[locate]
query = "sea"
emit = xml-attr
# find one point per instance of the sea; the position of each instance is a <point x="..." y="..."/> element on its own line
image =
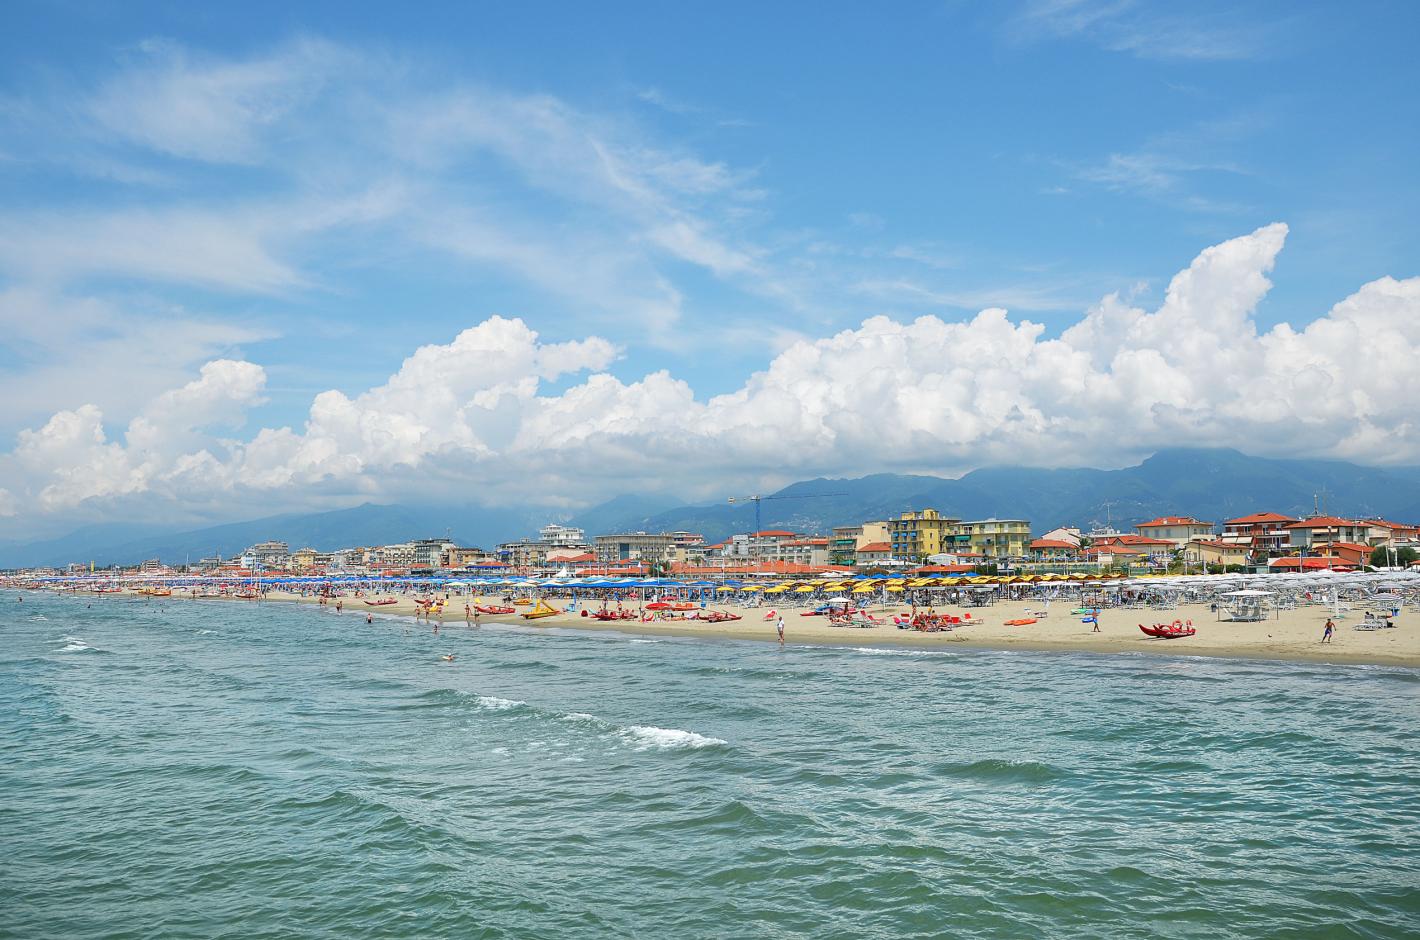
<point x="188" y="768"/>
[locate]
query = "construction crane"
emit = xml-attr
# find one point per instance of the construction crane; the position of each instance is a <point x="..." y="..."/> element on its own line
<point x="758" y="526"/>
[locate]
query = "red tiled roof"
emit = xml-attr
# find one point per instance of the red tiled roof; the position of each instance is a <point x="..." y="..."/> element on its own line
<point x="1171" y="520"/>
<point x="1260" y="517"/>
<point x="1310" y="564"/>
<point x="1139" y="540"/>
<point x="1052" y="543"/>
<point x="876" y="547"/>
<point x="1322" y="522"/>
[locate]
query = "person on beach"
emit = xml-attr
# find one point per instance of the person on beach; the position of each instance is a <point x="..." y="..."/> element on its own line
<point x="1327" y="631"/>
<point x="780" y="627"/>
<point x="1095" y="616"/>
<point x="467" y="615"/>
<point x="339" y="606"/>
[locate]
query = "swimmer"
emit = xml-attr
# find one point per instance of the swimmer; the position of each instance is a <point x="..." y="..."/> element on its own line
<point x="369" y="618"/>
<point x="448" y="657"/>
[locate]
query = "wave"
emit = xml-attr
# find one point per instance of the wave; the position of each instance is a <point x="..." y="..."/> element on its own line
<point x="647" y="737"/>
<point x="914" y="654"/>
<point x="77" y="644"/>
<point x="997" y="770"/>
<point x="495" y="704"/>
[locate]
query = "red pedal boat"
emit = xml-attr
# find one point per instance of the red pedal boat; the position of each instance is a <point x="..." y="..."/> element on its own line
<point x="1168" y="631"/>
<point x="494" y="610"/>
<point x="384" y="603"/>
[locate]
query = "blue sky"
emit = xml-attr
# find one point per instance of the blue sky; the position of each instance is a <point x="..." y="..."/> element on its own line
<point x="316" y="192"/>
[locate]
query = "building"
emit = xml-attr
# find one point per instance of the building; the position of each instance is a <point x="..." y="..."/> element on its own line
<point x="874" y="553"/>
<point x="998" y="538"/>
<point x="916" y="534"/>
<point x="1068" y="534"/>
<point x="1141" y="547"/>
<point x="455" y="557"/>
<point x="272" y="554"/>
<point x="762" y="544"/>
<point x="1049" y="549"/>
<point x="398" y="555"/>
<point x="1264" y="533"/>
<point x="812" y="550"/>
<point x="1180" y="530"/>
<point x="524" y="553"/>
<point x="562" y="536"/>
<point x="1399" y="532"/>
<point x="1309" y="535"/>
<point x="1215" y="552"/>
<point x="635" y="546"/>
<point x="571" y="555"/>
<point x="429" y="553"/>
<point x="846" y="540"/>
<point x="303" y="559"/>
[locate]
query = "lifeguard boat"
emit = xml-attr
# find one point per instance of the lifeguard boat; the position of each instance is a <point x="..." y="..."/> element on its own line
<point x="1169" y="631"/>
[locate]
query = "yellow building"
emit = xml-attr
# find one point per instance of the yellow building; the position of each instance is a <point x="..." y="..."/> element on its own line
<point x="999" y="538"/>
<point x="917" y="534"/>
<point x="303" y="559"/>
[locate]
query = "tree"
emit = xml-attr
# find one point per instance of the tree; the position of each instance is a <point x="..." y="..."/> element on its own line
<point x="1383" y="557"/>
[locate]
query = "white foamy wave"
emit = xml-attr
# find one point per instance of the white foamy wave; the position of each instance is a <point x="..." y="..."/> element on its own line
<point x="38" y="617"/>
<point x="495" y="704"/>
<point x="75" y="644"/>
<point x="645" y="641"/>
<point x="877" y="651"/>
<point x="645" y="737"/>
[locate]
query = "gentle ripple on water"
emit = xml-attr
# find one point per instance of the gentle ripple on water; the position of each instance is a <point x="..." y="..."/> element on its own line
<point x="202" y="769"/>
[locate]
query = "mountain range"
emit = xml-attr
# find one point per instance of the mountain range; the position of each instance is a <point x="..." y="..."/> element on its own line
<point x="1211" y="484"/>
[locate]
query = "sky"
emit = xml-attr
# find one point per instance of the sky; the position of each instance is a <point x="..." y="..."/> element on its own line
<point x="274" y="257"/>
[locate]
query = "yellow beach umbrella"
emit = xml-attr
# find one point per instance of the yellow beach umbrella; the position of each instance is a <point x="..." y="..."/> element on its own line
<point x="805" y="589"/>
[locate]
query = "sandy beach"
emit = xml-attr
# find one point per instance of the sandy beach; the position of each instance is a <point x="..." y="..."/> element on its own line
<point x="1294" y="635"/>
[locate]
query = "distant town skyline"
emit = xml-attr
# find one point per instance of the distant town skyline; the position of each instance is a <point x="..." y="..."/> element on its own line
<point x="274" y="260"/>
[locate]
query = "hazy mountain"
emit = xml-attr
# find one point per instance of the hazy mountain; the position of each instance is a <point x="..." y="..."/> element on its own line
<point x="1210" y="484"/>
<point x="367" y="524"/>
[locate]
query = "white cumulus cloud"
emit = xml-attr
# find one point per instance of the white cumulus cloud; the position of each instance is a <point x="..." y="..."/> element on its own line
<point x="490" y="416"/>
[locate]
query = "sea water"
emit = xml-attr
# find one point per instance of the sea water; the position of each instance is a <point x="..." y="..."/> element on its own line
<point x="199" y="769"/>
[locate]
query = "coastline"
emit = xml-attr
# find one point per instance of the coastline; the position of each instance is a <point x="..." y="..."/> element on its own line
<point x="1292" y="637"/>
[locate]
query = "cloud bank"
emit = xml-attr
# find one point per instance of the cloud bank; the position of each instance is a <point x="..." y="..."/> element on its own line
<point x="499" y="414"/>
